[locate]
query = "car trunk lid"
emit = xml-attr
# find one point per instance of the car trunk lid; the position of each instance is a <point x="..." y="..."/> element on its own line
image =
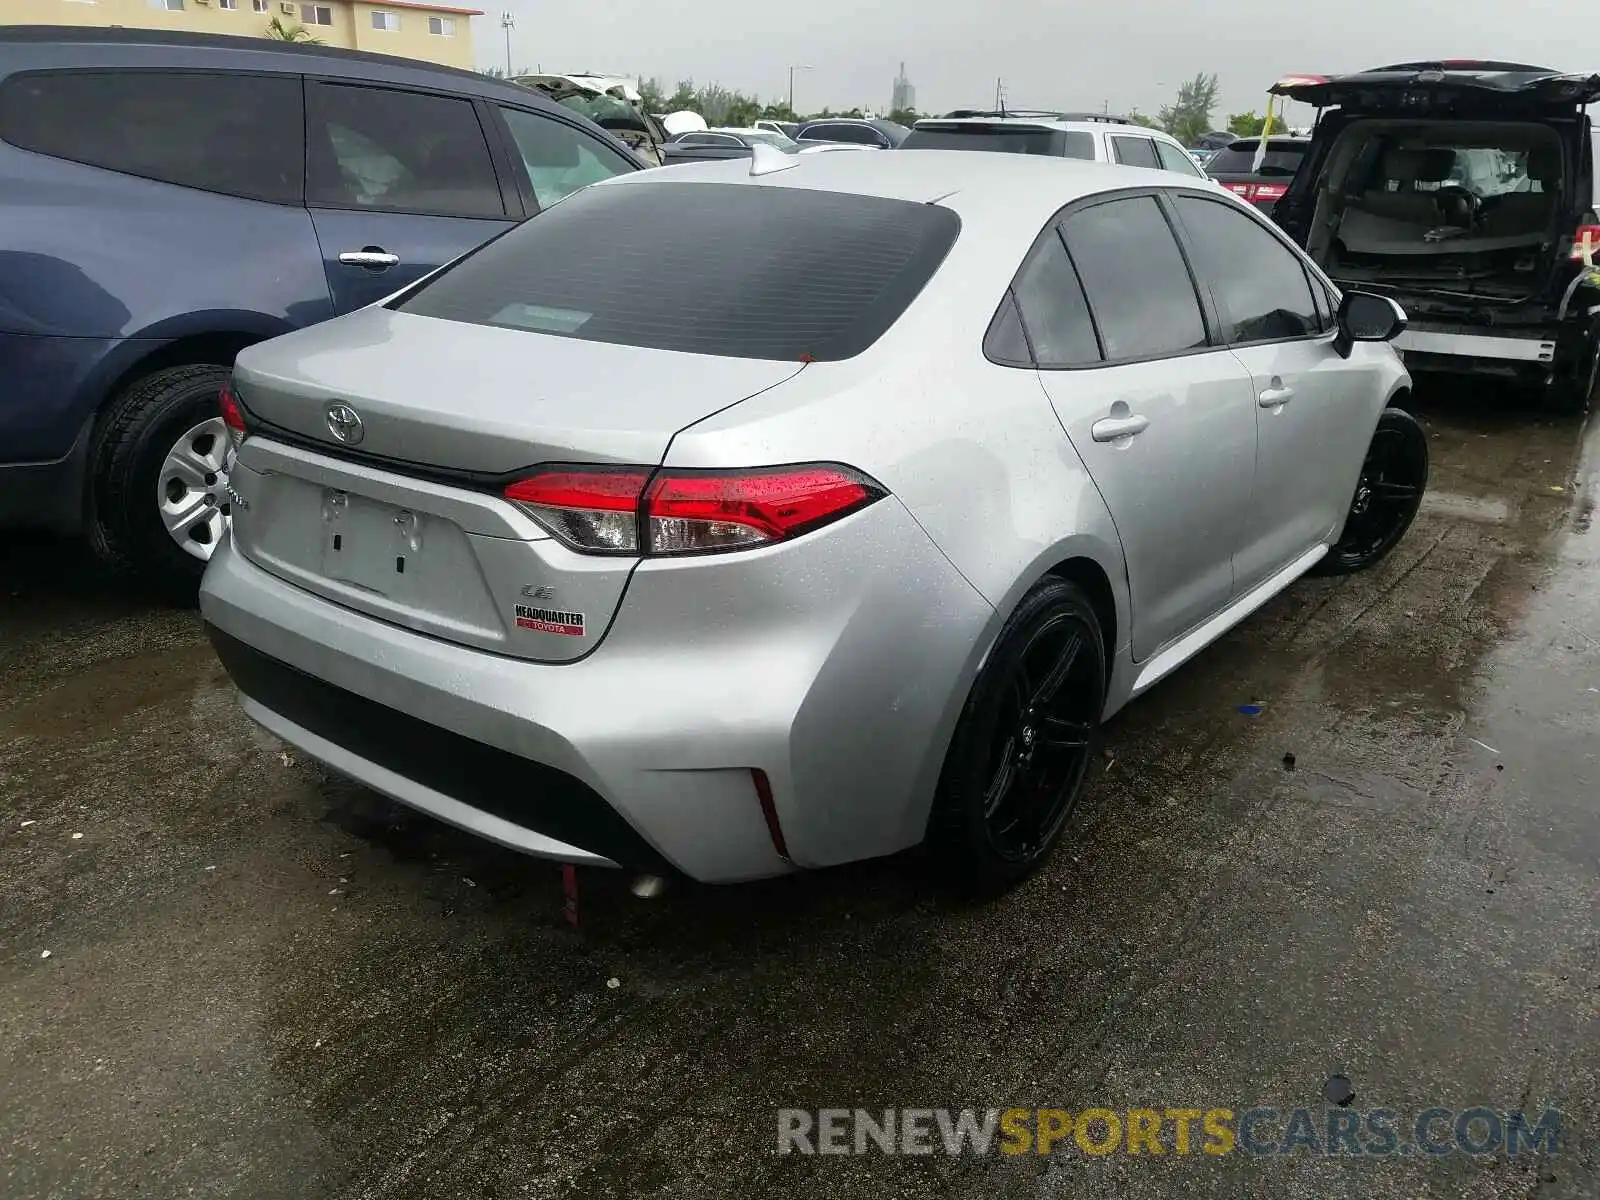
<point x="406" y="520"/>
<point x="1450" y="85"/>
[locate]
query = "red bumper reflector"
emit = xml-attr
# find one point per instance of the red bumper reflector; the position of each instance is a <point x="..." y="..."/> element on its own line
<point x="770" y="812"/>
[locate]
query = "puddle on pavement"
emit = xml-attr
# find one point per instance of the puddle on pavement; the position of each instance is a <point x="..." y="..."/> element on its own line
<point x="93" y="703"/>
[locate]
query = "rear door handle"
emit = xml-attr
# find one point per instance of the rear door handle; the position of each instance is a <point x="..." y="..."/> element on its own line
<point x="377" y="260"/>
<point x="1275" y="396"/>
<point x="1109" y="429"/>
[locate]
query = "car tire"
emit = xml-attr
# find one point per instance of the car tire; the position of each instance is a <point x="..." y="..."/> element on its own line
<point x="1014" y="770"/>
<point x="1394" y="476"/>
<point x="141" y="438"/>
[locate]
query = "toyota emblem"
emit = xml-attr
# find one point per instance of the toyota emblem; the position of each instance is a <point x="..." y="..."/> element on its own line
<point x="345" y="424"/>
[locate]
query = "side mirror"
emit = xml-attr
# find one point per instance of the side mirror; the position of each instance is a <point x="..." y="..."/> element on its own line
<point x="1366" y="317"/>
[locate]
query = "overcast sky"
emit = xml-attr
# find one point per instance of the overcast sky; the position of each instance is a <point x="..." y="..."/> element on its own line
<point x="1056" y="54"/>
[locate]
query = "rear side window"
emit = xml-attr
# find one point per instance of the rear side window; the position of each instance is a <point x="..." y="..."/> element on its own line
<point x="376" y="148"/>
<point x="1259" y="282"/>
<point x="1135" y="152"/>
<point x="1281" y="160"/>
<point x="1138" y="285"/>
<point x="1007" y="139"/>
<point x="1053" y="308"/>
<point x="1174" y="159"/>
<point x="740" y="271"/>
<point x="236" y="134"/>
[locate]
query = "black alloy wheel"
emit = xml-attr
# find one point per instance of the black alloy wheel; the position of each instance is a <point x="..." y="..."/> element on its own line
<point x="1394" y="476"/>
<point x="1022" y="747"/>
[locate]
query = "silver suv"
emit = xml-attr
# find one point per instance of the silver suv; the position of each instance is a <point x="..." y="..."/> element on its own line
<point x="1096" y="137"/>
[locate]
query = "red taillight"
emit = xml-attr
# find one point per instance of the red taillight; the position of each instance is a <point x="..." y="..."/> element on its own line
<point x="1269" y="191"/>
<point x="232" y="415"/>
<point x="1587" y="237"/>
<point x="603" y="510"/>
<point x="1246" y="190"/>
<point x="589" y="508"/>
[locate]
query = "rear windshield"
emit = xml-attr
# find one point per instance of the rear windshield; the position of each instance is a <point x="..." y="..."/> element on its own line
<point x="1280" y="160"/>
<point x="737" y="270"/>
<point x="1008" y="139"/>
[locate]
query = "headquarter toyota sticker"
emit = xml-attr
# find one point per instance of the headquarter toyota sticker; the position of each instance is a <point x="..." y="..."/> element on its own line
<point x="550" y="620"/>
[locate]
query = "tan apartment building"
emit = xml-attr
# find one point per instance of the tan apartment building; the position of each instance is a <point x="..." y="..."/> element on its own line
<point x="440" y="33"/>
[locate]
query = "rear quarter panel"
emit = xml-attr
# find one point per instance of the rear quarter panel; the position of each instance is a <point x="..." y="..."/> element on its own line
<point x="973" y="450"/>
<point x="88" y="253"/>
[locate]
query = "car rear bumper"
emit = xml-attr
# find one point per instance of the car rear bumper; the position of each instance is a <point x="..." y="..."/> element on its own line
<point x="835" y="665"/>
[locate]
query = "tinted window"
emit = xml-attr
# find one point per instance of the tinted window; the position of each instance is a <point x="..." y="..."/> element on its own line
<point x="1135" y="152"/>
<point x="1258" y="282"/>
<point x="863" y="135"/>
<point x="398" y="151"/>
<point x="749" y="272"/>
<point x="1138" y="286"/>
<point x="1005" y="342"/>
<point x="1008" y="139"/>
<point x="1175" y="159"/>
<point x="1053" y="309"/>
<point x="238" y="134"/>
<point x="1282" y="159"/>
<point x="558" y="158"/>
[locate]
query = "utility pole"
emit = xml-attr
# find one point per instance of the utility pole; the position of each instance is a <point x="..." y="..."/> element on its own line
<point x="999" y="105"/>
<point x="792" y="70"/>
<point x="508" y="23"/>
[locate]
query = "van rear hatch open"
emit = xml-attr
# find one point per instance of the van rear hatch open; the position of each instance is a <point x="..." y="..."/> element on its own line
<point x="1450" y="184"/>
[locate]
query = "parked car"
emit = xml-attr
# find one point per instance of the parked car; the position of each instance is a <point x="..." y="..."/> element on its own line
<point x="1467" y="190"/>
<point x="965" y="461"/>
<point x="787" y="128"/>
<point x="162" y="207"/>
<point x="720" y="143"/>
<point x="885" y="135"/>
<point x="1058" y="135"/>
<point x="1235" y="168"/>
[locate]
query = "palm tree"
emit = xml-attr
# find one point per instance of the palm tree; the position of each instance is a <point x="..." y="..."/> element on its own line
<point x="277" y="31"/>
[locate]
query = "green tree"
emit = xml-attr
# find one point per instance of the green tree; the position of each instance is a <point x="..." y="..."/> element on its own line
<point x="1138" y="118"/>
<point x="1245" y="124"/>
<point x="1189" y="116"/>
<point x="905" y="116"/>
<point x="279" y="31"/>
<point x="651" y="97"/>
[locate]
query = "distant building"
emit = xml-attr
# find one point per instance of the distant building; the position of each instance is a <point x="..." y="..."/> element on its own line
<point x="438" y="33"/>
<point x="905" y="96"/>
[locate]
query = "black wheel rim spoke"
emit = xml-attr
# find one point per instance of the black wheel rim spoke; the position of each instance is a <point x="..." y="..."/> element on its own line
<point x="1387" y="495"/>
<point x="1059" y="733"/>
<point x="1044" y="723"/>
<point x="1005" y="775"/>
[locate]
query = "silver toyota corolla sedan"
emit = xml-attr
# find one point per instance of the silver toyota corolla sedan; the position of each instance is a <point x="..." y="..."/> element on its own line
<point x="832" y="524"/>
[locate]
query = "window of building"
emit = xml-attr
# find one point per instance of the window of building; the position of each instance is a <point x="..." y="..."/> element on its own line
<point x="228" y="4"/>
<point x="386" y="21"/>
<point x="259" y="6"/>
<point x="167" y="5"/>
<point x="316" y="14"/>
<point x="442" y="26"/>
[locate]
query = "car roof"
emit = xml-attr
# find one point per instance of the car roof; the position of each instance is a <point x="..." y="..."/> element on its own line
<point x="247" y="53"/>
<point x="1273" y="139"/>
<point x="1045" y="121"/>
<point x="1020" y="188"/>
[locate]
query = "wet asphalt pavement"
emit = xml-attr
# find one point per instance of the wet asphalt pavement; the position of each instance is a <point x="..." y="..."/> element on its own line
<point x="265" y="983"/>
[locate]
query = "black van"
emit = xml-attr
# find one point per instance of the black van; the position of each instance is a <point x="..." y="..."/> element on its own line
<point x="1467" y="191"/>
